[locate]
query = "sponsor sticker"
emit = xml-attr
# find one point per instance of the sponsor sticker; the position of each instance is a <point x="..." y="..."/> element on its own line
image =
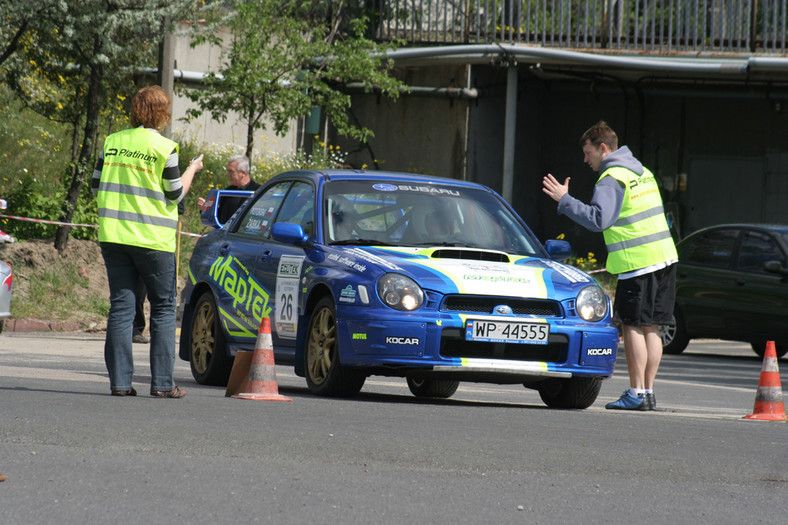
<point x="288" y="276"/>
<point x="392" y="340"/>
<point x="599" y="351"/>
<point x="570" y="273"/>
<point x="347" y="295"/>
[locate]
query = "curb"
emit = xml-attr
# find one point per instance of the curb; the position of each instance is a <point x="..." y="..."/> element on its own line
<point x="30" y="325"/>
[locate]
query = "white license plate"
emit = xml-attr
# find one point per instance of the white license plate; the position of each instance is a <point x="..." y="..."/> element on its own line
<point x="506" y="331"/>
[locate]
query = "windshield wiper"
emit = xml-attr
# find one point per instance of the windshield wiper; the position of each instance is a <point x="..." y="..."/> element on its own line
<point x="447" y="243"/>
<point x="360" y="242"/>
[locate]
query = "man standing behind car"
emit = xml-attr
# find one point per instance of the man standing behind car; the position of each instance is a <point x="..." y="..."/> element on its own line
<point x="627" y="208"/>
<point x="238" y="174"/>
<point x="138" y="187"/>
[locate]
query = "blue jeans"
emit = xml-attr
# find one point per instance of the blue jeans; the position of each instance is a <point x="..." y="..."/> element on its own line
<point x="157" y="269"/>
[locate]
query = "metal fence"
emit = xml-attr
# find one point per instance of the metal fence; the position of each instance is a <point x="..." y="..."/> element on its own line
<point x="652" y="26"/>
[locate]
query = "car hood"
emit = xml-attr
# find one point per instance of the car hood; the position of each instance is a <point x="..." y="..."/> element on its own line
<point x="462" y="270"/>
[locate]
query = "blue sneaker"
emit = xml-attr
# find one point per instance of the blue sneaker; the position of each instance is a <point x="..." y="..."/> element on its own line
<point x="629" y="402"/>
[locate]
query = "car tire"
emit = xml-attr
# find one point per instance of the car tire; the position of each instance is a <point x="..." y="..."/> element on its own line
<point x="674" y="335"/>
<point x="441" y="388"/>
<point x="575" y="392"/>
<point x="207" y="345"/>
<point x="325" y="375"/>
<point x="760" y="348"/>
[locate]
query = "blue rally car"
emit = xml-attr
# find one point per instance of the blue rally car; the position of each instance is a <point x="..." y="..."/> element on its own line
<point x="432" y="279"/>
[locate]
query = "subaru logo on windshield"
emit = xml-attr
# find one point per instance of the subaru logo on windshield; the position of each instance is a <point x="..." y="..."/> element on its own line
<point x="385" y="187"/>
<point x="503" y="309"/>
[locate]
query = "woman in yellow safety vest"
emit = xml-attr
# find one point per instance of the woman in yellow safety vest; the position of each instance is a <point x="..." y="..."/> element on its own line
<point x="138" y="186"/>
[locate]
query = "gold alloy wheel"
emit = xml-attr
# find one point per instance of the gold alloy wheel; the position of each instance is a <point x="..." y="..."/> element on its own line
<point x="322" y="338"/>
<point x="202" y="337"/>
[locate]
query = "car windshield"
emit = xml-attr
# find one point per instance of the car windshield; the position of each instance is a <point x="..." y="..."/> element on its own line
<point x="411" y="214"/>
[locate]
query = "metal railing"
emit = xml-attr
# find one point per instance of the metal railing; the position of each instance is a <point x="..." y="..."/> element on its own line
<point x="650" y="26"/>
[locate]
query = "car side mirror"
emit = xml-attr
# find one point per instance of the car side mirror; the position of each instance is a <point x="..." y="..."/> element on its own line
<point x="775" y="267"/>
<point x="558" y="250"/>
<point x="289" y="232"/>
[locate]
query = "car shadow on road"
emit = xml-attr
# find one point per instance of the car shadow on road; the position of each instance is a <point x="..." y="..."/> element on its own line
<point x="407" y="399"/>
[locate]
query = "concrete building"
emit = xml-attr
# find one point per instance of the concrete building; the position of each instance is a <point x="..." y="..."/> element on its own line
<point x="191" y="64"/>
<point x="500" y="94"/>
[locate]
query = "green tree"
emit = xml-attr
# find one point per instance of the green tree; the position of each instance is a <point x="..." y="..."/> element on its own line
<point x="19" y="19"/>
<point x="74" y="59"/>
<point x="284" y="57"/>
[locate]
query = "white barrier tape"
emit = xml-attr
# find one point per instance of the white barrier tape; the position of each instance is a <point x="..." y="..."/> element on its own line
<point x="42" y="221"/>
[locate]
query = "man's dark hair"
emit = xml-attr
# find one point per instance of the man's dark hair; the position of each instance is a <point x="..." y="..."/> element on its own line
<point x="598" y="134"/>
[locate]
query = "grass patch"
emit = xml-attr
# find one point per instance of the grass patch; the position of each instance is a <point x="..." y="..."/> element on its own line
<point x="58" y="293"/>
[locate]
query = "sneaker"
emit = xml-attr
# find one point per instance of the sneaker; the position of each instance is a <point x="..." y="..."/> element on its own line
<point x="651" y="401"/>
<point x="628" y="402"/>
<point x="139" y="338"/>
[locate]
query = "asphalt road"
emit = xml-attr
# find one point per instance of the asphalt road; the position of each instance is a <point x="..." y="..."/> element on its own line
<point x="491" y="454"/>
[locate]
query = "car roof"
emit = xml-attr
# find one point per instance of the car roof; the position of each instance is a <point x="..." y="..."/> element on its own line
<point x="353" y="174"/>
<point x="745" y="225"/>
<point x="774" y="228"/>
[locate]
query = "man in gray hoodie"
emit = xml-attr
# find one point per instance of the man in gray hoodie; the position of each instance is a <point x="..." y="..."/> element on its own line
<point x="627" y="208"/>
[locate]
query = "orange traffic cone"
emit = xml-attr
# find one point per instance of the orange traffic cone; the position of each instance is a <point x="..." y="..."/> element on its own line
<point x="261" y="384"/>
<point x="769" y="399"/>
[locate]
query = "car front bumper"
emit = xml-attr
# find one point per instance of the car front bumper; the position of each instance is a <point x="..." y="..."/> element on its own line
<point x="406" y="342"/>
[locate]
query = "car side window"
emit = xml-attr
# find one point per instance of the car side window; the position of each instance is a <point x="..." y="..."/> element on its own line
<point x="258" y="217"/>
<point x="713" y="248"/>
<point x="299" y="207"/>
<point x="757" y="248"/>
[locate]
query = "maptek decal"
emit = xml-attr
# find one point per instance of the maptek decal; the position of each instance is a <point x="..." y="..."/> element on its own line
<point x="249" y="296"/>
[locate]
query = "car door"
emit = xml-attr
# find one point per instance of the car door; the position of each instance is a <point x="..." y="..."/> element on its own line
<point x="761" y="297"/>
<point x="243" y="299"/>
<point x="280" y="265"/>
<point x="706" y="282"/>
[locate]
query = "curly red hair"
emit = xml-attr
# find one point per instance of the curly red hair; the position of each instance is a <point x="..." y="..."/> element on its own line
<point x="151" y="108"/>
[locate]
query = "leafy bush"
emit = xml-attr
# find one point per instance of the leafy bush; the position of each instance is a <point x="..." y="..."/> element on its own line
<point x="36" y="156"/>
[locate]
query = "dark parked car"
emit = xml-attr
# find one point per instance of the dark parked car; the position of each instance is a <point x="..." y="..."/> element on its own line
<point x="732" y="284"/>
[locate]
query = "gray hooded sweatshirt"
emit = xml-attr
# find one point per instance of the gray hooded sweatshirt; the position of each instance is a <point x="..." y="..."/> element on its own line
<point x="605" y="205"/>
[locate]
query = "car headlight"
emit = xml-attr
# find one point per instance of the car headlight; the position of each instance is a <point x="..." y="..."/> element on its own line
<point x="591" y="303"/>
<point x="400" y="292"/>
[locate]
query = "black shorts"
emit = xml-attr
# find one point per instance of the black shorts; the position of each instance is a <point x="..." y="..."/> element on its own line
<point x="647" y="299"/>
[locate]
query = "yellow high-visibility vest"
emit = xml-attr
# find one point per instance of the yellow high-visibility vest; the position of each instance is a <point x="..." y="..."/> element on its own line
<point x="132" y="207"/>
<point x="640" y="236"/>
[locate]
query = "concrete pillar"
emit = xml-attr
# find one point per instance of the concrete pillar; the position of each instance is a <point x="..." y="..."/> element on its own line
<point x="510" y="125"/>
